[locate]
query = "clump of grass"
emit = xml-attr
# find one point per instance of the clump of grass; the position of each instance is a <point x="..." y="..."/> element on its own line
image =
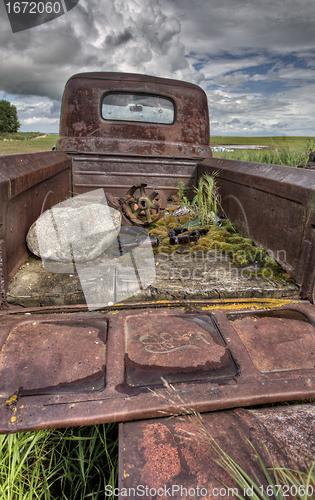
<point x="279" y="480"/>
<point x="183" y="193"/>
<point x="206" y="199"/>
<point x="70" y="464"/>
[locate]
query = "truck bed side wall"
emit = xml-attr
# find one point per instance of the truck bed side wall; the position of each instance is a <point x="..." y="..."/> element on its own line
<point x="29" y="185"/>
<point x="274" y="206"/>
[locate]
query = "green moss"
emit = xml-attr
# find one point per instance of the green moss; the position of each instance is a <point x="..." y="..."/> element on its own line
<point x="161" y="222"/>
<point x="195" y="248"/>
<point x="228" y="226"/>
<point x="236" y="239"/>
<point x="241" y="258"/>
<point x="215" y="244"/>
<point x="170" y="220"/>
<point x="226" y="247"/>
<point x="241" y="251"/>
<point x="162" y="232"/>
<point x="204" y="241"/>
<point x="184" y="218"/>
<point x="166" y="241"/>
<point x="165" y="249"/>
<point x="172" y="225"/>
<point x="219" y="237"/>
<point x="220" y="231"/>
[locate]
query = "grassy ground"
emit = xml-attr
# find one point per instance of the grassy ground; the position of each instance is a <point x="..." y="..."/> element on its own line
<point x="26" y="142"/>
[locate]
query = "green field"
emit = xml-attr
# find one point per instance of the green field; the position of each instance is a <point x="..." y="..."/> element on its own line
<point x="26" y="142"/>
<point x="290" y="151"/>
<point x="275" y="141"/>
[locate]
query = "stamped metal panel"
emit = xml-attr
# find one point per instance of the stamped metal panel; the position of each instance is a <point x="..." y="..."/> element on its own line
<point x="65" y="369"/>
<point x="117" y="174"/>
<point x="83" y="130"/>
<point x="177" y="457"/>
<point x="51" y="356"/>
<point x="29" y="185"/>
<point x="275" y="206"/>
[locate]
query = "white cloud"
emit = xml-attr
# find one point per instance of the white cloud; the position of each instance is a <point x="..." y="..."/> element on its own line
<point x="37" y="120"/>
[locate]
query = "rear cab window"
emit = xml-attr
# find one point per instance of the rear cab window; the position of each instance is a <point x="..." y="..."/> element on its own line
<point x="123" y="106"/>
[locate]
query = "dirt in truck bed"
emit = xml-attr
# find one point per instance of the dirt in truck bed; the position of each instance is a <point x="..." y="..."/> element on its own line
<point x="221" y="264"/>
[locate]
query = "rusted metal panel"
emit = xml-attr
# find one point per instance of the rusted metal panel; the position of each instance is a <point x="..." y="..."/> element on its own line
<point x="275" y="206"/>
<point x="175" y="352"/>
<point x="2" y="280"/>
<point x="30" y="184"/>
<point x="206" y="349"/>
<point x="276" y="340"/>
<point x="48" y="357"/>
<point x="82" y="129"/>
<point x="176" y="457"/>
<point x="117" y="174"/>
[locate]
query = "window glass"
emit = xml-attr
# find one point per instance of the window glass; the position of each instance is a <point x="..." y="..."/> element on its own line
<point x="137" y="108"/>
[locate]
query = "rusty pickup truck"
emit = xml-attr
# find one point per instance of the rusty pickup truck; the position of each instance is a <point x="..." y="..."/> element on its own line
<point x="63" y="363"/>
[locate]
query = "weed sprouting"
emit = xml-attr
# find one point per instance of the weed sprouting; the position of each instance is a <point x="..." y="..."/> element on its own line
<point x="206" y="200"/>
<point x="73" y="463"/>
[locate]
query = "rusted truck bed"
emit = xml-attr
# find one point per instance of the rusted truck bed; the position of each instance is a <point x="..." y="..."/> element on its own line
<point x="222" y="339"/>
<point x="63" y="366"/>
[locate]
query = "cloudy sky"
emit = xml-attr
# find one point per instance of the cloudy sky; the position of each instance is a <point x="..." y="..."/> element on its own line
<point x="254" y="58"/>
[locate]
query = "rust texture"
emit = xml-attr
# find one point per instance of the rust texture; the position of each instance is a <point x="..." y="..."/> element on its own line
<point x="2" y="281"/>
<point x="142" y="209"/>
<point x="116" y="155"/>
<point x="29" y="185"/>
<point x="74" y="352"/>
<point x="274" y="206"/>
<point x="180" y="453"/>
<point x="117" y="174"/>
<point x="82" y="129"/>
<point x="106" y="366"/>
<point x="179" y="350"/>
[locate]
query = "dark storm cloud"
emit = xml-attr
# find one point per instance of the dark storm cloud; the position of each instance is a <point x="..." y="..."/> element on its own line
<point x="55" y="109"/>
<point x="234" y="121"/>
<point x="279" y="125"/>
<point x="134" y="37"/>
<point x="119" y="38"/>
<point x="243" y="26"/>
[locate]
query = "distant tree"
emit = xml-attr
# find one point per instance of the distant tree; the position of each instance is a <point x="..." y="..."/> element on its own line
<point x="8" y="117"/>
